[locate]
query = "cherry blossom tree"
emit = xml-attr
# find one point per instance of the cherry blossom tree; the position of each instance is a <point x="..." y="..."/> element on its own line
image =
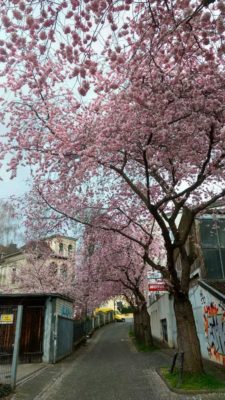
<point x="167" y="158"/>
<point x="150" y="145"/>
<point x="82" y="35"/>
<point x="115" y="259"/>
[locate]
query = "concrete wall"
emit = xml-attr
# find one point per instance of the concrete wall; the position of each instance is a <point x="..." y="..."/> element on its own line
<point x="162" y="309"/>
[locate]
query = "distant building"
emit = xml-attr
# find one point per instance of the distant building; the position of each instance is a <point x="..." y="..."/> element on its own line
<point x="49" y="254"/>
<point x="117" y="303"/>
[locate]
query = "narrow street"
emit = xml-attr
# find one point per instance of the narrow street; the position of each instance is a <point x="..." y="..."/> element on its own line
<point x="108" y="367"/>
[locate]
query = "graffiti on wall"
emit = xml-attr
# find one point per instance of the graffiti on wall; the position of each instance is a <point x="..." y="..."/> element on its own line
<point x="214" y="326"/>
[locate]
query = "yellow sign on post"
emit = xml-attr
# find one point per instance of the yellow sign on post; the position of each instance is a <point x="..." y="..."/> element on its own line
<point x="6" y="319"/>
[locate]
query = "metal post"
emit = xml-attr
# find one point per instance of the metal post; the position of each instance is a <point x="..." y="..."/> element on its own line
<point x="16" y="346"/>
<point x="55" y="337"/>
<point x="173" y="363"/>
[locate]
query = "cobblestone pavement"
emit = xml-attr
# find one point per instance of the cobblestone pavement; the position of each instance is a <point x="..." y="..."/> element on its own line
<point x="107" y="368"/>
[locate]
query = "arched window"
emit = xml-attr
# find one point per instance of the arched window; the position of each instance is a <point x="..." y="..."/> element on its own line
<point x="60" y="248"/>
<point x="70" y="249"/>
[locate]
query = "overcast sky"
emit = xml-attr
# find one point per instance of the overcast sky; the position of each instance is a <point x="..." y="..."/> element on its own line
<point x="11" y="187"/>
<point x="16" y="186"/>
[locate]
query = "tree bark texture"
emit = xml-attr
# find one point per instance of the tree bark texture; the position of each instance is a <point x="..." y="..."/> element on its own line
<point x="142" y="326"/>
<point x="187" y="337"/>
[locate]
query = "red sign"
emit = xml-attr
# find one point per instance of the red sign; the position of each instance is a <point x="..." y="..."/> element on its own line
<point x="157" y="287"/>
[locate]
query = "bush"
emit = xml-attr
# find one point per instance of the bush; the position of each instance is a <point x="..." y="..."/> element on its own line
<point x="5" y="390"/>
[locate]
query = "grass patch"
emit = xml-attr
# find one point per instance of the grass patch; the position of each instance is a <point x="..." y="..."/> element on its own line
<point x="143" y="347"/>
<point x="131" y="334"/>
<point x="140" y="346"/>
<point x="192" y="382"/>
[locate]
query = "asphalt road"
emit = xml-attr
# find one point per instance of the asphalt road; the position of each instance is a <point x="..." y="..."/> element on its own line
<point x="107" y="368"/>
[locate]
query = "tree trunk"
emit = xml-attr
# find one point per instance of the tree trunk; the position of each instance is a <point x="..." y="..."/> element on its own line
<point x="137" y="326"/>
<point x="142" y="326"/>
<point x="187" y="338"/>
<point x="146" y="326"/>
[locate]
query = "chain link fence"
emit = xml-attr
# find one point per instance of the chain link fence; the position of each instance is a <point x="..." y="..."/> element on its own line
<point x="8" y="318"/>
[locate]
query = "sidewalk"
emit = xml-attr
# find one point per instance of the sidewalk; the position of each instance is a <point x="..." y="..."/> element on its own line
<point x="25" y="371"/>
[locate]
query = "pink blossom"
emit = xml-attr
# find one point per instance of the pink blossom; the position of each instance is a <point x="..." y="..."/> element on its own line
<point x="220" y="25"/>
<point x="76" y="71"/>
<point x="82" y="91"/>
<point x="30" y="21"/>
<point x="17" y="14"/>
<point x="82" y="72"/>
<point x="67" y="30"/>
<point x="42" y="49"/>
<point x="43" y="35"/>
<point x="6" y="21"/>
<point x="48" y="22"/>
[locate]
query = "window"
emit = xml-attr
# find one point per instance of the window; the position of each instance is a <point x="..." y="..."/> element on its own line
<point x="13" y="275"/>
<point x="212" y="232"/>
<point x="164" y="329"/>
<point x="70" y="249"/>
<point x="61" y="248"/>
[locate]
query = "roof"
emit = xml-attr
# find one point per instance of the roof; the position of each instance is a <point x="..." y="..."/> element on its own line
<point x="39" y="245"/>
<point x="36" y="245"/>
<point x="6" y="250"/>
<point x="35" y="295"/>
<point x="215" y="287"/>
<point x="60" y="236"/>
<point x="11" y="255"/>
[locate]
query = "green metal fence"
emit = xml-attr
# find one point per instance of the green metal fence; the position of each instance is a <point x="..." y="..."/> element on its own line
<point x="64" y="338"/>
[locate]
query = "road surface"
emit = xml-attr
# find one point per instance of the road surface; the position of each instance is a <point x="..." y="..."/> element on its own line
<point x="107" y="368"/>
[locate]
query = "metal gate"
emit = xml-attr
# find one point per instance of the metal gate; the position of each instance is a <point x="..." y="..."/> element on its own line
<point x="31" y="342"/>
<point x="64" y="338"/>
<point x="8" y="316"/>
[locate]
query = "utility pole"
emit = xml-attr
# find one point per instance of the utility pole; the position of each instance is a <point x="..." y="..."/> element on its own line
<point x="16" y="346"/>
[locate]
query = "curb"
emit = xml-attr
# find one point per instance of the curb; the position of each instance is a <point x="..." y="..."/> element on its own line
<point x="31" y="375"/>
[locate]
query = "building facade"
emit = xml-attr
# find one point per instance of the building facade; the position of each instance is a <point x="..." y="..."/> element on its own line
<point x="207" y="291"/>
<point x="41" y="260"/>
